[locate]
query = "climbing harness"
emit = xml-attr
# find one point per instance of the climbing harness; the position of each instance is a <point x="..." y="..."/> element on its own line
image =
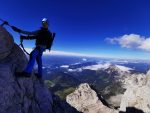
<point x="21" y="44"/>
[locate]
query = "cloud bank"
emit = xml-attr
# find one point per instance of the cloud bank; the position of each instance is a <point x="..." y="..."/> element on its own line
<point x="131" y="41"/>
<point x="52" y="52"/>
<point x="65" y="53"/>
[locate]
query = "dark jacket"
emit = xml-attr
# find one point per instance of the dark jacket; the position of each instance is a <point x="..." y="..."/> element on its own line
<point x="43" y="37"/>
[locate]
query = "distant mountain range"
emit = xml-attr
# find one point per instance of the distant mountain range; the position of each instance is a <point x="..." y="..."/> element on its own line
<point x="64" y="73"/>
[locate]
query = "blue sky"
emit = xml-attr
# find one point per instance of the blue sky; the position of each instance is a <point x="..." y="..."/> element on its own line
<point x="83" y="26"/>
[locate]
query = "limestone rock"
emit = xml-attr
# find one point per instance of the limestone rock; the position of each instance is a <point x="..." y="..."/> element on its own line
<point x="137" y="95"/>
<point x="85" y="99"/>
<point x="136" y="98"/>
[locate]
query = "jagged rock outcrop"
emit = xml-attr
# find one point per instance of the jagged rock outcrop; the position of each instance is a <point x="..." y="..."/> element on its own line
<point x="137" y="94"/>
<point x="19" y="94"/>
<point x="85" y="99"/>
<point x="62" y="106"/>
<point x="136" y="98"/>
<point x="6" y="43"/>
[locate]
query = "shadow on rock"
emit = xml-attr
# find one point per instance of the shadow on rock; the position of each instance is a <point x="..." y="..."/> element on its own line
<point x="132" y="110"/>
<point x="60" y="106"/>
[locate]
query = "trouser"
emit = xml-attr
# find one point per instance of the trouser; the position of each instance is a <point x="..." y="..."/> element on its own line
<point x="36" y="54"/>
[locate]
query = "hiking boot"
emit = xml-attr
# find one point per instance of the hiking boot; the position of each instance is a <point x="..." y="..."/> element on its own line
<point x="38" y="76"/>
<point x="41" y="81"/>
<point x="23" y="74"/>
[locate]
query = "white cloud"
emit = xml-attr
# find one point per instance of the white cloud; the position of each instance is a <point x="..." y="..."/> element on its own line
<point x="84" y="59"/>
<point x="75" y="70"/>
<point x="132" y="41"/>
<point x="64" y="53"/>
<point x="106" y="66"/>
<point x="64" y="66"/>
<point x="145" y="45"/>
<point x="98" y="66"/>
<point x="123" y="68"/>
<point x="52" y="52"/>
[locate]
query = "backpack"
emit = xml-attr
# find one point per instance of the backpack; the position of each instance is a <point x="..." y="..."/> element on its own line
<point x="50" y="41"/>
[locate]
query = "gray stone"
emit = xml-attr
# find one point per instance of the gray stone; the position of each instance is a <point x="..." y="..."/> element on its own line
<point x="85" y="99"/>
<point x="6" y="43"/>
<point x="19" y="94"/>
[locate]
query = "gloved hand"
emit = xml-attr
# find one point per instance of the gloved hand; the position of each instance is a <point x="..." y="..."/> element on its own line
<point x="16" y="29"/>
<point x="22" y="37"/>
<point x="6" y="23"/>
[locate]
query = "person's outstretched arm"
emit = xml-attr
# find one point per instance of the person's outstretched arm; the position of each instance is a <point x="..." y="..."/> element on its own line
<point x="27" y="37"/>
<point x="29" y="33"/>
<point x="24" y="32"/>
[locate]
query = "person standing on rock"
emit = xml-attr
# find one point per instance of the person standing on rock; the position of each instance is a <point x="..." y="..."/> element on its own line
<point x="44" y="40"/>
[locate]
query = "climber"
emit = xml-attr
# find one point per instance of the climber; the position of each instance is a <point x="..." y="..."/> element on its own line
<point x="44" y="40"/>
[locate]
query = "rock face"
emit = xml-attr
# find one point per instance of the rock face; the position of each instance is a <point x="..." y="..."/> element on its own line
<point x="23" y="95"/>
<point x="136" y="98"/>
<point x="85" y="99"/>
<point x="19" y="95"/>
<point x="6" y="43"/>
<point x="137" y="95"/>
